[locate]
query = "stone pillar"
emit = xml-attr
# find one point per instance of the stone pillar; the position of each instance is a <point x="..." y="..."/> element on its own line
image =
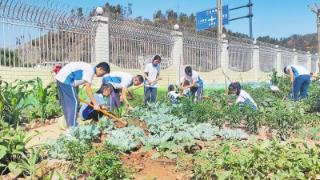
<point x="256" y="62"/>
<point x="279" y="67"/>
<point x="317" y="63"/>
<point x="309" y="64"/>
<point x="177" y="54"/>
<point x="101" y="40"/>
<point x="224" y="56"/>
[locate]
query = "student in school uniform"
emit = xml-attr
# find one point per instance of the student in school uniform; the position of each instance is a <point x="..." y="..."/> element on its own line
<point x="152" y="75"/>
<point x="69" y="78"/>
<point x="300" y="80"/>
<point x="173" y="96"/>
<point x="195" y="83"/>
<point x="87" y="112"/>
<point x="243" y="98"/>
<point x="121" y="81"/>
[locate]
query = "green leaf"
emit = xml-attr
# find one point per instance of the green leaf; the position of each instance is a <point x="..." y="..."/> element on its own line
<point x="15" y="168"/>
<point x="223" y="175"/>
<point x="3" y="151"/>
<point x="156" y="155"/>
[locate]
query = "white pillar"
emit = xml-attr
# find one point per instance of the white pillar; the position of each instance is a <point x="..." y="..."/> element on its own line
<point x="309" y="64"/>
<point x="101" y="40"/>
<point x="177" y="53"/>
<point x="224" y="54"/>
<point x="279" y="67"/>
<point x="256" y="62"/>
<point x="317" y="63"/>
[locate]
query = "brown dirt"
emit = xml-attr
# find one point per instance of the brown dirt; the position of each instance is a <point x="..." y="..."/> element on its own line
<point x="145" y="168"/>
<point x="46" y="132"/>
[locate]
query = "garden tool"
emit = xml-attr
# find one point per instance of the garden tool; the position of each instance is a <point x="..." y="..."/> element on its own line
<point x="106" y="113"/>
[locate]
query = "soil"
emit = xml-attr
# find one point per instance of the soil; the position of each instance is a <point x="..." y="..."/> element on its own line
<point x="45" y="133"/>
<point x="145" y="168"/>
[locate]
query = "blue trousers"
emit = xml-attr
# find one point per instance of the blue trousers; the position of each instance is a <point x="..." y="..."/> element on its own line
<point x="150" y="95"/>
<point x="69" y="101"/>
<point x="301" y="84"/>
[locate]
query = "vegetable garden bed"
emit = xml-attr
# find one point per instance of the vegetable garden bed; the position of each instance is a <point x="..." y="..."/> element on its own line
<point x="211" y="139"/>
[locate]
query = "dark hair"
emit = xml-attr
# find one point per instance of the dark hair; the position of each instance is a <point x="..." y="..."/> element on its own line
<point x="188" y="70"/>
<point x="104" y="66"/>
<point x="171" y="88"/>
<point x="156" y="57"/>
<point x="285" y="70"/>
<point x="235" y="86"/>
<point x="140" y="78"/>
<point x="104" y="87"/>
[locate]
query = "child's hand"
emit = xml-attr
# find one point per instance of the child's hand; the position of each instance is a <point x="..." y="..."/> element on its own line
<point x="103" y="107"/>
<point x="96" y="107"/>
<point x="150" y="82"/>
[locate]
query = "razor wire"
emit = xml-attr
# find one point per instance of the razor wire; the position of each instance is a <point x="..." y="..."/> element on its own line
<point x="314" y="63"/>
<point x="267" y="56"/>
<point x="37" y="35"/>
<point x="133" y="44"/>
<point x="303" y="59"/>
<point x="287" y="57"/>
<point x="240" y="54"/>
<point x="201" y="52"/>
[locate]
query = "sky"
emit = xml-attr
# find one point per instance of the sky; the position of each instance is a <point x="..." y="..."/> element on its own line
<point x="276" y="18"/>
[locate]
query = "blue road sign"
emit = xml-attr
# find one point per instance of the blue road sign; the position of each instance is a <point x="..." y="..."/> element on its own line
<point x="209" y="18"/>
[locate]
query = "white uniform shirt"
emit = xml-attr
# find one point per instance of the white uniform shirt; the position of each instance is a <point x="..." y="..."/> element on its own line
<point x="298" y="70"/>
<point x="152" y="71"/>
<point x="76" y="73"/>
<point x="195" y="77"/>
<point x="244" y="97"/>
<point x="118" y="80"/>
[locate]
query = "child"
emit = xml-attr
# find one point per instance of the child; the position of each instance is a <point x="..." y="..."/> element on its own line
<point x="195" y="81"/>
<point x="152" y="73"/>
<point x="173" y="95"/>
<point x="121" y="81"/>
<point x="186" y="89"/>
<point x="69" y="78"/>
<point x="86" y="112"/>
<point x="243" y="98"/>
<point x="300" y="80"/>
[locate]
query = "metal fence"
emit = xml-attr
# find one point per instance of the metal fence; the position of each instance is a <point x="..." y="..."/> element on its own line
<point x="267" y="56"/>
<point x="36" y="36"/>
<point x="303" y="59"/>
<point x="287" y="57"/>
<point x="133" y="44"/>
<point x="201" y="52"/>
<point x="240" y="54"/>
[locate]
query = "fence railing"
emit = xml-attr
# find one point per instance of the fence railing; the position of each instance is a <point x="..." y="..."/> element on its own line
<point x="36" y="36"/>
<point x="201" y="52"/>
<point x="39" y="36"/>
<point x="240" y="54"/>
<point x="133" y="44"/>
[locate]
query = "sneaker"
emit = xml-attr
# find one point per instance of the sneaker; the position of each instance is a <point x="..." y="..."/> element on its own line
<point x="68" y="132"/>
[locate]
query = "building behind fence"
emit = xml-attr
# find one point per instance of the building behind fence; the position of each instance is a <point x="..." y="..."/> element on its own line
<point x="34" y="38"/>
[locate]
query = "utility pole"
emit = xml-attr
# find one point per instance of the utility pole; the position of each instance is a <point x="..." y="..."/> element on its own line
<point x="219" y="8"/>
<point x="314" y="8"/>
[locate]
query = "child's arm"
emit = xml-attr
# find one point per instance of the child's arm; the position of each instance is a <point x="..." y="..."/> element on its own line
<point x="124" y="92"/>
<point x="90" y="95"/>
<point x="291" y="78"/>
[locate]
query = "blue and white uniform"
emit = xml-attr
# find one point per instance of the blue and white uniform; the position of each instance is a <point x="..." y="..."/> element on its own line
<point x="118" y="80"/>
<point x="68" y="78"/>
<point x="150" y="91"/>
<point x="86" y="112"/>
<point x="301" y="83"/>
<point x="198" y="89"/>
<point x="245" y="99"/>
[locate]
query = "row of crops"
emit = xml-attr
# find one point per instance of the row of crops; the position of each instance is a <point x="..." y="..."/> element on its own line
<point x="211" y="139"/>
